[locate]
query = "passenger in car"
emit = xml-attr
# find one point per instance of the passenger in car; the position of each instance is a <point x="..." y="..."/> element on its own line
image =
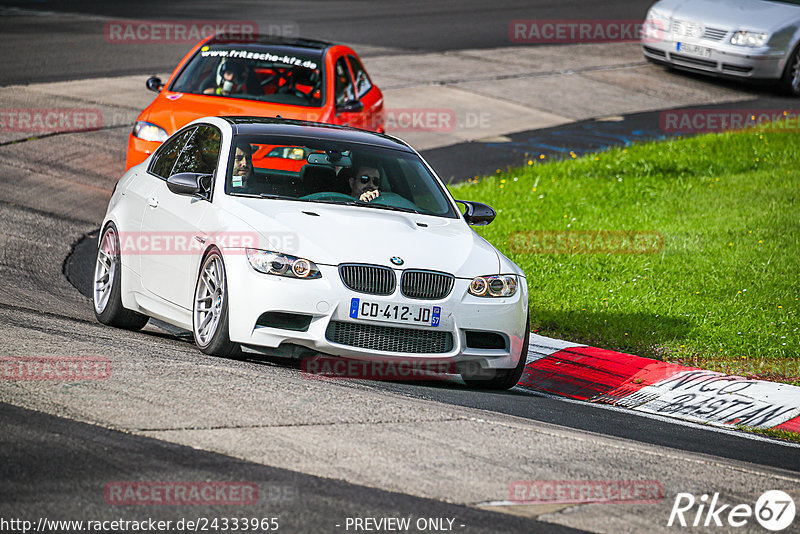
<point x="243" y="175"/>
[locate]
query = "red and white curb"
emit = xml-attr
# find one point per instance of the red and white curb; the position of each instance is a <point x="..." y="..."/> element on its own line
<point x="655" y="387"/>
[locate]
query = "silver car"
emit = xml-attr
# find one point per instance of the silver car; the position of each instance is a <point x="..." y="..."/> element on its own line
<point x="754" y="39"/>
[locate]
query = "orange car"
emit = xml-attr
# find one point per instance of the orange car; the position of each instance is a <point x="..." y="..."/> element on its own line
<point x="265" y="76"/>
<point x="284" y="158"/>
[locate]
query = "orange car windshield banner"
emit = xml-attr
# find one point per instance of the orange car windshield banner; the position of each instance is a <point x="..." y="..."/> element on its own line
<point x="260" y="56"/>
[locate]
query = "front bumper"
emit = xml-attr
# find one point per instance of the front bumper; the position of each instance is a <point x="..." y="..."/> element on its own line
<point x="724" y="60"/>
<point x="138" y="150"/>
<point x="327" y="299"/>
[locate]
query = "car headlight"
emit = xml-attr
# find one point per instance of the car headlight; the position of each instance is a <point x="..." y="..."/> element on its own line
<point x="751" y="39"/>
<point x="494" y="286"/>
<point x="149" y="132"/>
<point x="657" y="22"/>
<point x="279" y="264"/>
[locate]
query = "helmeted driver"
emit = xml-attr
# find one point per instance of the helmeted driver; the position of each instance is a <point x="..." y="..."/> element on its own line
<point x="231" y="78"/>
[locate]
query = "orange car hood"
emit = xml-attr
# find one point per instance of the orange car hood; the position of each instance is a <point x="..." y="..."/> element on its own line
<point x="174" y="110"/>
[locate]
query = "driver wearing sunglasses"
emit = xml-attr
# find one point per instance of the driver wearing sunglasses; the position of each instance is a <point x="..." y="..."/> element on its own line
<point x="365" y="184"/>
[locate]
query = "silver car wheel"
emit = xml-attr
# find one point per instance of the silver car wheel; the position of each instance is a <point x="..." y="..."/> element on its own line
<point x="104" y="270"/>
<point x="208" y="300"/>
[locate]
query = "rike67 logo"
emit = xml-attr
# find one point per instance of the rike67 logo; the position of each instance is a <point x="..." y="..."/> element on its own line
<point x="774" y="510"/>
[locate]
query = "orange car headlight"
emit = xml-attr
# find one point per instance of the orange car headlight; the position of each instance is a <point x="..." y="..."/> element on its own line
<point x="148" y="131"/>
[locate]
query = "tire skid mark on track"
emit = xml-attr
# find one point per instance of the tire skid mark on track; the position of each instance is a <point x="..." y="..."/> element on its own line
<point x="41" y="136"/>
<point x="296" y="425"/>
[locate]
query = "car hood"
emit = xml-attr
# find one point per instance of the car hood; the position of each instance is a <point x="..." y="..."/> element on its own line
<point x="174" y="110"/>
<point x="330" y="235"/>
<point x="758" y="15"/>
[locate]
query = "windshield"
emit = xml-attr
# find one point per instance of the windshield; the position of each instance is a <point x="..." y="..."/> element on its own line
<point x="279" y="74"/>
<point x="334" y="172"/>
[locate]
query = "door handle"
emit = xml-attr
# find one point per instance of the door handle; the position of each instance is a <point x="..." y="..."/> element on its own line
<point x="152" y="202"/>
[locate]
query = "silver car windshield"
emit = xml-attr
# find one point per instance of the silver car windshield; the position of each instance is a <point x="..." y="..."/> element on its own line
<point x="336" y="173"/>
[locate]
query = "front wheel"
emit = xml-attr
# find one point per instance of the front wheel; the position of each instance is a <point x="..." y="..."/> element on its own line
<point x="499" y="379"/>
<point x="210" y="313"/>
<point x="106" y="287"/>
<point x="790" y="81"/>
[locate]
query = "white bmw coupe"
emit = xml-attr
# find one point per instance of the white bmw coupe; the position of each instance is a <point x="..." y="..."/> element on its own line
<point x="295" y="238"/>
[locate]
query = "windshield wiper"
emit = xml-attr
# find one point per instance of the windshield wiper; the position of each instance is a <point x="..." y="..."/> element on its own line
<point x="361" y="203"/>
<point x="272" y="195"/>
<point x="385" y="207"/>
<point x="264" y="195"/>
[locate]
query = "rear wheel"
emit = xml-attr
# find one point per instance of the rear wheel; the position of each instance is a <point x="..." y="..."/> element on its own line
<point x="210" y="313"/>
<point x="499" y="379"/>
<point x="790" y="82"/>
<point x="106" y="289"/>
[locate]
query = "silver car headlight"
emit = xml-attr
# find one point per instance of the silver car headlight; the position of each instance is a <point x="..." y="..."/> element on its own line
<point x="493" y="286"/>
<point x="656" y="23"/>
<point x="148" y="131"/>
<point x="268" y="262"/>
<point x="750" y="39"/>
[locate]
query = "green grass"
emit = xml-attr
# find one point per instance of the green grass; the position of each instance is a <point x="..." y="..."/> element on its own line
<point x="719" y="292"/>
<point x="775" y="433"/>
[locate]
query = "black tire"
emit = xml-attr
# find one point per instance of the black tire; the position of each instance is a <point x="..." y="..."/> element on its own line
<point x="790" y="81"/>
<point x="500" y="379"/>
<point x="107" y="304"/>
<point x="218" y="341"/>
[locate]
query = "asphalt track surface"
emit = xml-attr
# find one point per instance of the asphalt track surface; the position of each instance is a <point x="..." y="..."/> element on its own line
<point x="53" y="466"/>
<point x="71" y="47"/>
<point x="456" y="163"/>
<point x="56" y="465"/>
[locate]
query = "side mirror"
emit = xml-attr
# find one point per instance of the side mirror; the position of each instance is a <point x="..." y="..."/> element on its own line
<point x="477" y="214"/>
<point x="351" y="106"/>
<point x="187" y="183"/>
<point x="154" y="84"/>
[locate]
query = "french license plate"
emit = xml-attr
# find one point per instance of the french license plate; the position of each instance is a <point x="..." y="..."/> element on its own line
<point x="695" y="50"/>
<point x="395" y="313"/>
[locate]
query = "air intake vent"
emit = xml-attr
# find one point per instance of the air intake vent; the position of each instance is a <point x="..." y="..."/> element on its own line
<point x="428" y="285"/>
<point x="714" y="34"/>
<point x="736" y="68"/>
<point x="389" y="338"/>
<point x="284" y="320"/>
<point x="371" y="279"/>
<point x="693" y="60"/>
<point x="485" y="340"/>
<point x="655" y="52"/>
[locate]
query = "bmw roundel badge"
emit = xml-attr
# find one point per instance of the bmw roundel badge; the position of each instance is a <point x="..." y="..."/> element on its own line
<point x="397" y="260"/>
